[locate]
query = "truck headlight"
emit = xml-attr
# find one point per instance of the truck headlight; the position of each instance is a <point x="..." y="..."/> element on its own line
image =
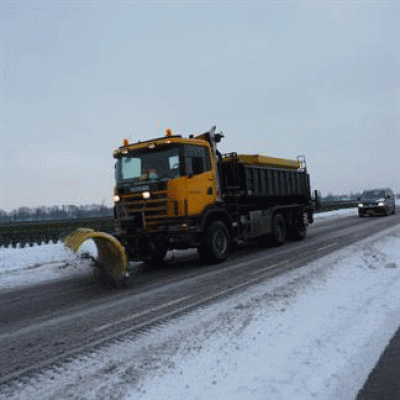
<point x="381" y="204"/>
<point x="146" y="195"/>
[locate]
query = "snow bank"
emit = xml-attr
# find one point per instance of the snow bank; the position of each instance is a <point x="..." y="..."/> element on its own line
<point x="44" y="263"/>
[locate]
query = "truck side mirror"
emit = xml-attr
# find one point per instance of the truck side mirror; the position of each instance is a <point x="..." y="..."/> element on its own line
<point x="317" y="200"/>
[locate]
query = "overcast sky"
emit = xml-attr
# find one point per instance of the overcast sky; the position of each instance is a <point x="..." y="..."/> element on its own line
<point x="281" y="78"/>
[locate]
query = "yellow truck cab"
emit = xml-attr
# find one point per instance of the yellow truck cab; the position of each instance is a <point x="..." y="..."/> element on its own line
<point x="163" y="186"/>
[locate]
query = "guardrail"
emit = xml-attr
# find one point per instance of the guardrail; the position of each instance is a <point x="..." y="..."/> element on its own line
<point x="30" y="232"/>
<point x="337" y="205"/>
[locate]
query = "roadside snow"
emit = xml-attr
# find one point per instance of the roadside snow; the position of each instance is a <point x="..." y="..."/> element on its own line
<point x="44" y="263"/>
<point x="346" y="212"/>
<point x="312" y="333"/>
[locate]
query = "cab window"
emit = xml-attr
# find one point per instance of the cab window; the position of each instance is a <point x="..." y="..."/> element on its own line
<point x="197" y="160"/>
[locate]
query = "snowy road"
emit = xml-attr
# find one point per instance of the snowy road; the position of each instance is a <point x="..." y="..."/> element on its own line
<point x="309" y="333"/>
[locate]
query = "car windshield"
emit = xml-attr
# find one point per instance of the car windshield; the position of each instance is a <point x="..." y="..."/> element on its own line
<point x="373" y="195"/>
<point x="149" y="164"/>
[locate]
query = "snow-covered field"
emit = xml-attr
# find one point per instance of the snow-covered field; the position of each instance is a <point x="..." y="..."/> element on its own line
<point x="312" y="333"/>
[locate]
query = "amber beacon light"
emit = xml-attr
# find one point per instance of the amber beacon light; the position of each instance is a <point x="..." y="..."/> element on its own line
<point x="168" y="132"/>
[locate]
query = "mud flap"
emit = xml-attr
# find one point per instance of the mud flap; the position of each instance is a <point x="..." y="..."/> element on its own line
<point x="111" y="256"/>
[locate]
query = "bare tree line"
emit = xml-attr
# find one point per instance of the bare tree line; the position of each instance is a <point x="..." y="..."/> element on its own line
<point x="45" y="213"/>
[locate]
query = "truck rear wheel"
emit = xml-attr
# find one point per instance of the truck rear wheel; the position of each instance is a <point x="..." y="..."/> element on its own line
<point x="298" y="231"/>
<point x="216" y="244"/>
<point x="278" y="230"/>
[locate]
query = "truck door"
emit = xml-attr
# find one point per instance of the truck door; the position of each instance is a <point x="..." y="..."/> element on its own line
<point x="200" y="174"/>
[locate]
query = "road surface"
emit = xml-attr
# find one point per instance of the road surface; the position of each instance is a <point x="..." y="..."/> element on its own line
<point x="42" y="326"/>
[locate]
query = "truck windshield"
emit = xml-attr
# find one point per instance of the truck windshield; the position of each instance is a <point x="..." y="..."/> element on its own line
<point x="373" y="195"/>
<point x="149" y="164"/>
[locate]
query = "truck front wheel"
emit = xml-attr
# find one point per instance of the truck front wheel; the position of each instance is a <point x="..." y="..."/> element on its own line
<point x="216" y="245"/>
<point x="157" y="255"/>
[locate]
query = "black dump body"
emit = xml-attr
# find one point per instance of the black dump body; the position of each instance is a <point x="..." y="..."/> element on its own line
<point x="260" y="186"/>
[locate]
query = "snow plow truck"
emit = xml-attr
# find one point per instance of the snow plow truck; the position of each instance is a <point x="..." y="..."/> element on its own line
<point x="174" y="192"/>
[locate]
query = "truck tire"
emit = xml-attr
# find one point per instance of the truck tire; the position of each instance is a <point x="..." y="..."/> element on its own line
<point x="278" y="230"/>
<point x="157" y="256"/>
<point x="106" y="281"/>
<point x="217" y="243"/>
<point x="298" y="230"/>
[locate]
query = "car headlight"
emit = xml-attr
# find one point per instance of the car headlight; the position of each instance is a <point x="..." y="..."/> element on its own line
<point x="116" y="198"/>
<point x="360" y="205"/>
<point x="146" y="195"/>
<point x="381" y="204"/>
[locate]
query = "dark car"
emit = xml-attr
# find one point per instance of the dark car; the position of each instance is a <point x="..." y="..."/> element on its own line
<point x="377" y="201"/>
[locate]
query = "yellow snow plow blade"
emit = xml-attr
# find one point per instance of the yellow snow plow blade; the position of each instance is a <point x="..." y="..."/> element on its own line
<point x="111" y="256"/>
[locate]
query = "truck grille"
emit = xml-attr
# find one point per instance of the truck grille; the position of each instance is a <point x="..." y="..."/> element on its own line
<point x="154" y="209"/>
